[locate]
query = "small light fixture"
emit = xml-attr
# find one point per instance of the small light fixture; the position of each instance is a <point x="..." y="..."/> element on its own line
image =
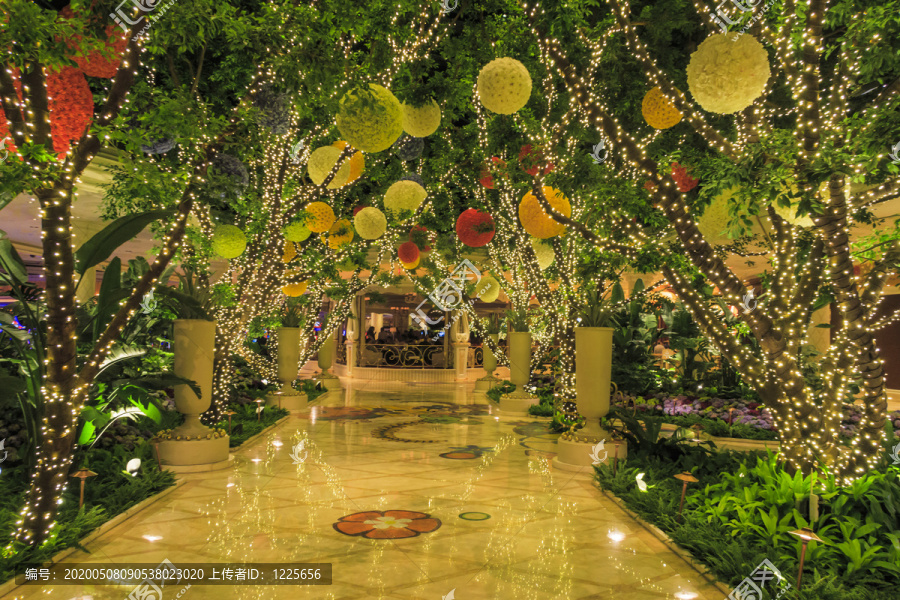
<point x="230" y="413"/>
<point x="259" y="408"/>
<point x="155" y="441"/>
<point x="806" y="536"/>
<point x="83" y="474"/>
<point x="686" y="478"/>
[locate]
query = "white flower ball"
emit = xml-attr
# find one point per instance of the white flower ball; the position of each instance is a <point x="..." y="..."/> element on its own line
<point x="421" y="121"/>
<point x="370" y="122"/>
<point x="488" y="289"/>
<point x="544" y="252"/>
<point x="370" y="223"/>
<point x="404" y="195"/>
<point x="504" y="86"/>
<point x="726" y="75"/>
<point x="322" y="160"/>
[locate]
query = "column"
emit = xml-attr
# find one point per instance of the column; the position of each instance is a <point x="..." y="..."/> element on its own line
<point x="459" y="334"/>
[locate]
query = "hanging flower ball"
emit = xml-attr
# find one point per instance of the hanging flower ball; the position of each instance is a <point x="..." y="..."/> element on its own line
<point x="488" y="289"/>
<point x="504" y="86"/>
<point x="359" y="208"/>
<point x="404" y="195"/>
<point x="229" y="241"/>
<point x="726" y="73"/>
<point x="475" y="228"/>
<point x="413" y="177"/>
<point x="790" y="214"/>
<point x="232" y="167"/>
<point x="274" y="110"/>
<point x="94" y="64"/>
<point x="537" y="222"/>
<point x="487" y="179"/>
<point x="340" y="234"/>
<point x="357" y="161"/>
<point x="319" y="217"/>
<point x="411" y="266"/>
<point x="532" y="159"/>
<point x="408" y="253"/>
<point x="408" y="147"/>
<point x="421" y="121"/>
<point x="370" y="120"/>
<point x="290" y="251"/>
<point x="296" y="232"/>
<point x="322" y="161"/>
<point x="713" y="223"/>
<point x="293" y="290"/>
<point x="370" y="223"/>
<point x="659" y="111"/>
<point x="158" y="146"/>
<point x="544" y="252"/>
<point x="684" y="181"/>
<point x="421" y="237"/>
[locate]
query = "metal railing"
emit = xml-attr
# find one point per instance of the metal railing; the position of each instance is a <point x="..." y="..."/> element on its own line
<point x="404" y="356"/>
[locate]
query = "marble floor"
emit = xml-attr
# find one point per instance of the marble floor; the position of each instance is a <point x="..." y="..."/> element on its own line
<point x="410" y="491"/>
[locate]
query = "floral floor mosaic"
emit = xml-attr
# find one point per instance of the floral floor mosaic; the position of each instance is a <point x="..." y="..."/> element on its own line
<point x="398" y="518"/>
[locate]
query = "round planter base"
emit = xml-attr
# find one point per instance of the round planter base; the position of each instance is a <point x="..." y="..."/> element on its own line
<point x="292" y="402"/>
<point x="573" y="456"/>
<point x="517" y="403"/>
<point x="485" y="383"/>
<point x="194" y="453"/>
<point x="328" y="381"/>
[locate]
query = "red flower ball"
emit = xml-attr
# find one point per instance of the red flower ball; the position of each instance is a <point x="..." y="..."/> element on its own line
<point x="487" y="179"/>
<point x="684" y="181"/>
<point x="532" y="160"/>
<point x="93" y="63"/>
<point x="419" y="236"/>
<point x="408" y="252"/>
<point x="358" y="208"/>
<point x="71" y="108"/>
<point x="475" y="228"/>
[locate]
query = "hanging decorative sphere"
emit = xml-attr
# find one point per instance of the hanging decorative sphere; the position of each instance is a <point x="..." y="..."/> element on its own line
<point x="713" y="223"/>
<point x="370" y="223"/>
<point x="357" y="161"/>
<point x="158" y="146"/>
<point x="296" y="232"/>
<point x="726" y="74"/>
<point x="659" y="111"/>
<point x="370" y="120"/>
<point x="475" y="228"/>
<point x="228" y="241"/>
<point x="421" y="121"/>
<point x="340" y="234"/>
<point x="544" y="252"/>
<point x="488" y="289"/>
<point x="319" y="217"/>
<point x="413" y="177"/>
<point x="94" y="64"/>
<point x="274" y="110"/>
<point x="421" y="237"/>
<point x="411" y="266"/>
<point x="532" y="159"/>
<point x="404" y="195"/>
<point x="537" y="222"/>
<point x="290" y="251"/>
<point x="408" y="147"/>
<point x="504" y="86"/>
<point x="294" y="290"/>
<point x="322" y="161"/>
<point x="684" y="181"/>
<point x="408" y="253"/>
<point x="486" y="177"/>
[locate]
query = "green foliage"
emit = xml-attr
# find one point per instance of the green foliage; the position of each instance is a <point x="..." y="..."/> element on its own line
<point x="250" y="423"/>
<point x="504" y="387"/>
<point x="597" y="309"/>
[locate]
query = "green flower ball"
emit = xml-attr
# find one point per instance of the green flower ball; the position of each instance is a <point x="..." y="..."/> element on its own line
<point x="296" y="232"/>
<point x="488" y="289"/>
<point x="544" y="252"/>
<point x="504" y="86"/>
<point x="370" y="122"/>
<point x="404" y="195"/>
<point x="370" y="223"/>
<point x="421" y="121"/>
<point x="229" y="241"/>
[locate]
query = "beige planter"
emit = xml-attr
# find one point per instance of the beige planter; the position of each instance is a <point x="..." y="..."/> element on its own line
<point x="326" y="360"/>
<point x="593" y="376"/>
<point x="490" y="364"/>
<point x="519" y="374"/>
<point x="194" y="346"/>
<point x="288" y="356"/>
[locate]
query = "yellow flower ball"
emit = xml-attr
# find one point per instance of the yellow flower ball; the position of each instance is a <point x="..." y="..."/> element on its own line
<point x="370" y="223"/>
<point x="296" y="232"/>
<point x="412" y="265"/>
<point x="488" y="289"/>
<point x="370" y="120"/>
<point x="713" y="223"/>
<point x="322" y="161"/>
<point x="537" y="222"/>
<point x="319" y="217"/>
<point x="421" y="121"/>
<point x="294" y="290"/>
<point x="229" y="241"/>
<point x="357" y="162"/>
<point x="290" y="251"/>
<point x="727" y="73"/>
<point x="404" y="195"/>
<point x="544" y="252"/>
<point x="659" y="111"/>
<point x="504" y="86"/>
<point x="341" y="233"/>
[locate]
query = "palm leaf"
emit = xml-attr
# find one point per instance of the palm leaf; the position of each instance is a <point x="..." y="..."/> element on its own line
<point x="118" y="355"/>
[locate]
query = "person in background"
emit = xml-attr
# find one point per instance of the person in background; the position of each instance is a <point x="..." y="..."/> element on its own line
<point x="370" y="335"/>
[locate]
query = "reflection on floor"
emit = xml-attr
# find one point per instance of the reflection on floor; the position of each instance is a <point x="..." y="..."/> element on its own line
<point x="477" y="511"/>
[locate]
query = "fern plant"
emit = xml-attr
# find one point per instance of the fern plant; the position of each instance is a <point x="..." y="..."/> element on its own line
<point x="598" y="308"/>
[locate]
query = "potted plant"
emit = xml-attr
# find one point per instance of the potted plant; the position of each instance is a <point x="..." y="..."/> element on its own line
<point x="289" y="346"/>
<point x="519" y="340"/>
<point x="489" y="360"/>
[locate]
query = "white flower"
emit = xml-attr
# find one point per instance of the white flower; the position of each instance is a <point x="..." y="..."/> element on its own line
<point x="642" y="485"/>
<point x="726" y="75"/>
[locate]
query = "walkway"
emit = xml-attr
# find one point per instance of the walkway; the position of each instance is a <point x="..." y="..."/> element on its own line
<point x="440" y="458"/>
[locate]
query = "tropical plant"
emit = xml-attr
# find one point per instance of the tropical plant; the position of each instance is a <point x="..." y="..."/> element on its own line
<point x="517" y="318"/>
<point x="599" y="305"/>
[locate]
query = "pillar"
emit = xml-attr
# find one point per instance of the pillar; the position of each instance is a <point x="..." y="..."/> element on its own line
<point x="459" y="334"/>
